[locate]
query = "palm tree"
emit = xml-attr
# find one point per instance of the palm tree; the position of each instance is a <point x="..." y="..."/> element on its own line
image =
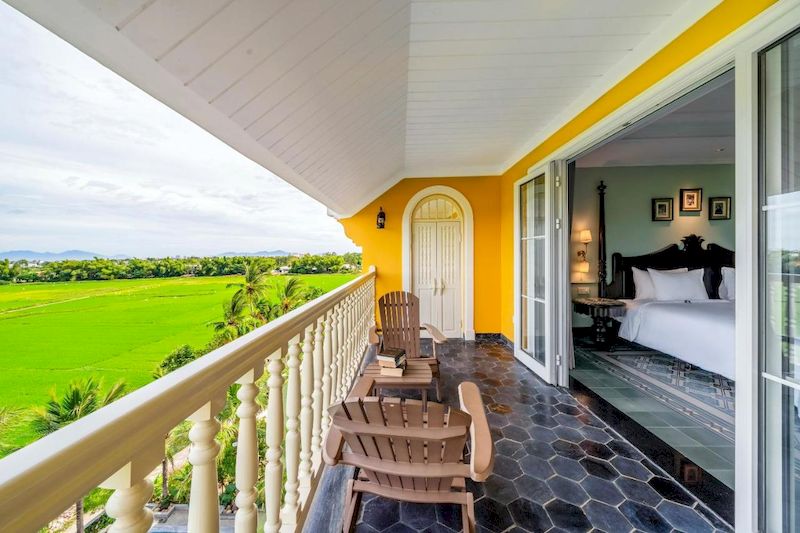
<point x="290" y="294"/>
<point x="235" y="322"/>
<point x="82" y="397"/>
<point x="254" y="286"/>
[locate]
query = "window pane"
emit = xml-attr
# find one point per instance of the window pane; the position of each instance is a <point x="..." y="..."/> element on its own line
<point x="525" y="205"/>
<point x="525" y="341"/>
<point x="539" y="334"/>
<point x="781" y="457"/>
<point x="538" y="268"/>
<point x="538" y="209"/>
<point x="525" y="252"/>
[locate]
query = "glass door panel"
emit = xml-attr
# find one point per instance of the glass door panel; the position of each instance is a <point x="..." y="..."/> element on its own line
<point x="533" y="290"/>
<point x="779" y="109"/>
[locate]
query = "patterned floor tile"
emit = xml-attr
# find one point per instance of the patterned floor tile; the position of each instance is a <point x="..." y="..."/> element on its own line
<point x="557" y="468"/>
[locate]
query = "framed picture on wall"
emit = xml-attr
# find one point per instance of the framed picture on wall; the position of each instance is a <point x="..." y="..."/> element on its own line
<point x="691" y="199"/>
<point x="662" y="209"/>
<point x="719" y="208"/>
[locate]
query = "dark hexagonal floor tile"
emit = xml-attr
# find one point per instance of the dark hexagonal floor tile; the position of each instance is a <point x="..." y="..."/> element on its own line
<point x="515" y="433"/>
<point x="418" y="515"/>
<point x="567" y="516"/>
<point x="533" y="489"/>
<point x="596" y="434"/>
<point x="493" y="515"/>
<point x="644" y="517"/>
<point x="568" y="409"/>
<point x="399" y="528"/>
<point x="569" y="434"/>
<point x="638" y="491"/>
<point x="506" y="467"/>
<point x="507" y="447"/>
<point x="569" y="468"/>
<point x="542" y="434"/>
<point x="449" y="515"/>
<point x="624" y="449"/>
<point x="546" y="421"/>
<point x="598" y="468"/>
<point x="538" y="448"/>
<point x="567" y="490"/>
<point x="631" y="468"/>
<point x="568" y="449"/>
<point x="596" y="449"/>
<point x="671" y="490"/>
<point x="500" y="489"/>
<point x="545" y="409"/>
<point x="536" y="467"/>
<point x="530" y="515"/>
<point x="568" y="420"/>
<point x="602" y="490"/>
<point x="606" y="518"/>
<point x="380" y="513"/>
<point x="683" y="518"/>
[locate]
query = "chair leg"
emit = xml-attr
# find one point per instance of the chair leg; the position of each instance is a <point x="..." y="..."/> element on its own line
<point x="350" y="506"/>
<point x="468" y="515"/>
<point x="438" y="391"/>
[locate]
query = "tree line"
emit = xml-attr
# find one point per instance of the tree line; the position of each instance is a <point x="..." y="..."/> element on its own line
<point x="169" y="267"/>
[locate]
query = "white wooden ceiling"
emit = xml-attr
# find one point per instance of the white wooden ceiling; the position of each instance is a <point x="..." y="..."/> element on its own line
<point x="344" y="97"/>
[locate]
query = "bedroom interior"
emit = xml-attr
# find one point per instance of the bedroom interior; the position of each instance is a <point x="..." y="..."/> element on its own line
<point x="652" y="270"/>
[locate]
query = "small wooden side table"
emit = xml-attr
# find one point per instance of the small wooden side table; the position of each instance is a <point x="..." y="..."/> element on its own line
<point x="418" y="375"/>
<point x="601" y="310"/>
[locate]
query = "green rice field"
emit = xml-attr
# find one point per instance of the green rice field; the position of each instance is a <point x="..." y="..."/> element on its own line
<point x="52" y="333"/>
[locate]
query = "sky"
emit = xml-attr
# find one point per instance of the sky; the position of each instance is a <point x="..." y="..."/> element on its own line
<point x="88" y="161"/>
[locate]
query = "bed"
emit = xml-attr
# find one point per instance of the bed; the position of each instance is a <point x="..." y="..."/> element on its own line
<point x="700" y="332"/>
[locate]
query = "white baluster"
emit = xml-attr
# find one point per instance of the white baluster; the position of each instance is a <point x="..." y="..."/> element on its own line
<point x="316" y="396"/>
<point x="203" y="496"/>
<point x="273" y="475"/>
<point x="328" y="363"/>
<point x="339" y="344"/>
<point x="292" y="440"/>
<point x="306" y="411"/>
<point x="132" y="490"/>
<point x="247" y="453"/>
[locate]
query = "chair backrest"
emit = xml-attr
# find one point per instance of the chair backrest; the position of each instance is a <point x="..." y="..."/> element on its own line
<point x="399" y="312"/>
<point x="397" y="447"/>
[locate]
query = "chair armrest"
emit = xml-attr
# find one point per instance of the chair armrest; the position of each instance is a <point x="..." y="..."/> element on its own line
<point x="481" y="461"/>
<point x="374" y="339"/>
<point x="435" y="334"/>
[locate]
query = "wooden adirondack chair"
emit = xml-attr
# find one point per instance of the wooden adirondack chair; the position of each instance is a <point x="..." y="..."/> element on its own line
<point x="400" y="327"/>
<point x="406" y="454"/>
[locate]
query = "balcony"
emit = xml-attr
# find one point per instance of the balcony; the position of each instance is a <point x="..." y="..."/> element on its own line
<point x="557" y="464"/>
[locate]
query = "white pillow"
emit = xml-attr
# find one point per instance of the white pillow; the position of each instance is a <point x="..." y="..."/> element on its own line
<point x="643" y="284"/>
<point x="679" y="285"/>
<point x="727" y="289"/>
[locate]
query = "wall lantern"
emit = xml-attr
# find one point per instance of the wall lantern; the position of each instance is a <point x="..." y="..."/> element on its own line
<point x="585" y="238"/>
<point x="381" y="218"/>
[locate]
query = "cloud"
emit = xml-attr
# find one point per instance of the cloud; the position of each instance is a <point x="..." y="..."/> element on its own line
<point x="89" y="161"/>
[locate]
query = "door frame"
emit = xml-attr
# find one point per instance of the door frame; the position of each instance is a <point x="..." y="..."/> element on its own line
<point x="467" y="251"/>
<point x="740" y="51"/>
<point x="547" y="371"/>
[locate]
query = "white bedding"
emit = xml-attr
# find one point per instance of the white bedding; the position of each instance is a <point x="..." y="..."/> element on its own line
<point x="700" y="332"/>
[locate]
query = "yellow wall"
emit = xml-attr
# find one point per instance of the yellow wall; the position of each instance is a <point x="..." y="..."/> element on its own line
<point x="383" y="248"/>
<point x="492" y="197"/>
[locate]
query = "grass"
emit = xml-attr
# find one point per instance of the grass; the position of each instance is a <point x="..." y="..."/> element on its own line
<point x="53" y="333"/>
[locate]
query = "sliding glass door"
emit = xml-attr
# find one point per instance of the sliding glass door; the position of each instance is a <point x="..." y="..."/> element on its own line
<point x="779" y="110"/>
<point x="532" y="275"/>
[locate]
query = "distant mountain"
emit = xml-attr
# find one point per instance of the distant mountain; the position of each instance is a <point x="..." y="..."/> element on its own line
<point x="265" y="253"/>
<point x="30" y="255"/>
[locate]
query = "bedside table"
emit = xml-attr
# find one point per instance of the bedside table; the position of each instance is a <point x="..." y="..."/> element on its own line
<point x="601" y="310"/>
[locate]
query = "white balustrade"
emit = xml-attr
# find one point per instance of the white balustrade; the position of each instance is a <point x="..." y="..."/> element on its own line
<point x="320" y="345"/>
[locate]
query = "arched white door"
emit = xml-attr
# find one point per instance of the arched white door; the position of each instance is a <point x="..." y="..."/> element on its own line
<point x="436" y="259"/>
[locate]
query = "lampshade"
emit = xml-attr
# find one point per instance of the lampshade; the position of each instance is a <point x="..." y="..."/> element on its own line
<point x="586" y="236"/>
<point x="583" y="267"/>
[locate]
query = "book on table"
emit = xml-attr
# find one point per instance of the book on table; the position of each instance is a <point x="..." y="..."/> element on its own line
<point x="391" y="357"/>
<point x="393" y="372"/>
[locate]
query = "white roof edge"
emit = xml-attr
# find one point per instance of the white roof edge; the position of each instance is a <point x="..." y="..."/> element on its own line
<point x="79" y="26"/>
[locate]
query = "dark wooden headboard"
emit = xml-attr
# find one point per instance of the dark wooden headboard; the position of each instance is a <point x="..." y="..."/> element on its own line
<point x="712" y="258"/>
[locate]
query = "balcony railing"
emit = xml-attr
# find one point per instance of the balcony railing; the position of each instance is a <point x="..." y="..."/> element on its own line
<point x="311" y="355"/>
